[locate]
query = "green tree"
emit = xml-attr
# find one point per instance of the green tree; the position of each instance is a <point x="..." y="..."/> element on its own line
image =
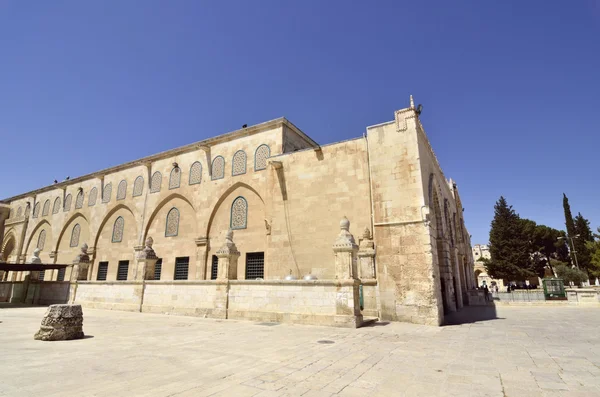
<point x="594" y="250"/>
<point x="509" y="245"/>
<point x="570" y="274"/>
<point x="545" y="242"/>
<point x="568" y="217"/>
<point x="584" y="233"/>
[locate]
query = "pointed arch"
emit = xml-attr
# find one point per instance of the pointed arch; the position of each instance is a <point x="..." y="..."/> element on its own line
<point x="10" y="234"/>
<point x="218" y="168"/>
<point x="36" y="210"/>
<point x="75" y="232"/>
<point x="79" y="200"/>
<point x="93" y="196"/>
<point x="77" y="217"/>
<point x="160" y="206"/>
<point x="107" y="193"/>
<point x="56" y="206"/>
<point x="122" y="190"/>
<point x="106" y="218"/>
<point x="9" y="245"/>
<point x="172" y="223"/>
<point x="40" y="225"/>
<point x="195" y="173"/>
<point x="175" y="178"/>
<point x="222" y="198"/>
<point x="46" y="209"/>
<point x="67" y="204"/>
<point x="156" y="182"/>
<point x="118" y="227"/>
<point x="238" y="163"/>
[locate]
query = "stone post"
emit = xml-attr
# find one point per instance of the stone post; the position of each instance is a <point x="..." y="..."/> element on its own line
<point x="146" y="261"/>
<point x="228" y="256"/>
<point x="201" y="253"/>
<point x="347" y="308"/>
<point x="53" y="272"/>
<point x="366" y="256"/>
<point x="81" y="265"/>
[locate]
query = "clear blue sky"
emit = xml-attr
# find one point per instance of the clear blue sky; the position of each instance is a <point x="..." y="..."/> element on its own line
<point x="511" y="89"/>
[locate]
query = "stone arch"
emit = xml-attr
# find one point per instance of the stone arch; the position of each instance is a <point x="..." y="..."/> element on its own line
<point x="224" y="195"/>
<point x="77" y="217"/>
<point x="33" y="241"/>
<point x="35" y="231"/>
<point x="56" y="206"/>
<point x="160" y="206"/>
<point x="107" y="217"/>
<point x="9" y="244"/>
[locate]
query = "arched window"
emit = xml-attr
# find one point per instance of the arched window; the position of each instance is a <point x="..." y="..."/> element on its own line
<point x="46" y="209"/>
<point x="11" y="213"/>
<point x="19" y="212"/>
<point x="138" y="186"/>
<point x="172" y="225"/>
<point x="218" y="168"/>
<point x="155" y="182"/>
<point x="239" y="213"/>
<point x="75" y="235"/>
<point x="117" y="235"/>
<point x="175" y="178"/>
<point x="92" y="198"/>
<point x="195" y="173"/>
<point x="41" y="240"/>
<point x="67" y="205"/>
<point x="122" y="190"/>
<point x="263" y="152"/>
<point x="238" y="164"/>
<point x="36" y="210"/>
<point x="56" y="206"/>
<point x="106" y="193"/>
<point x="79" y="200"/>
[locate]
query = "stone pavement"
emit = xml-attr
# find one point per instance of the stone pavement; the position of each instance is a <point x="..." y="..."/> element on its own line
<point x="526" y="351"/>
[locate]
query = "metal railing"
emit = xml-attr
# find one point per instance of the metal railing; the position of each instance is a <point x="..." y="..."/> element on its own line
<point x="520" y="295"/>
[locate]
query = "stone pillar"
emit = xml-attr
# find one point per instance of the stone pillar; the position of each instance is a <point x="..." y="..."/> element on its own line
<point x="92" y="254"/>
<point x="228" y="256"/>
<point x="81" y="265"/>
<point x="366" y="256"/>
<point x="457" y="276"/>
<point x="53" y="272"/>
<point x="347" y="308"/>
<point x="201" y="253"/>
<point x="146" y="261"/>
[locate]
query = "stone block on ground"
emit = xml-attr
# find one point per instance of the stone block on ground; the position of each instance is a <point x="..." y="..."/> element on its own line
<point x="61" y="322"/>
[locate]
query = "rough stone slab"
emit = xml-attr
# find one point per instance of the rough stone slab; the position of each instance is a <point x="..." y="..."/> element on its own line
<point x="61" y="322"/>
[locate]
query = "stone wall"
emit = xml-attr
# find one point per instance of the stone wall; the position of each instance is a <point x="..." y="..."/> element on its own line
<point x="122" y="295"/>
<point x="191" y="298"/>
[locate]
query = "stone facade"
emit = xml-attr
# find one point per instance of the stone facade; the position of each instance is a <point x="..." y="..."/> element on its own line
<point x="283" y="196"/>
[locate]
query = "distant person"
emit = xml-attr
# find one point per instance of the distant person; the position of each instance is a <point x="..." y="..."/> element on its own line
<point x="496" y="289"/>
<point x="486" y="292"/>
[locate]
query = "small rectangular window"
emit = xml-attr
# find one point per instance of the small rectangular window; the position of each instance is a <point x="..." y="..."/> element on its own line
<point x="41" y="275"/>
<point x="102" y="271"/>
<point x="158" y="269"/>
<point x="61" y="275"/>
<point x="181" y="268"/>
<point x="255" y="265"/>
<point x="122" y="270"/>
<point x="214" y="267"/>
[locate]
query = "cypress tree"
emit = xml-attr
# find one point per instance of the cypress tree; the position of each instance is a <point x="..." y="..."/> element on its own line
<point x="568" y="217"/>
<point x="509" y="245"/>
<point x="582" y="228"/>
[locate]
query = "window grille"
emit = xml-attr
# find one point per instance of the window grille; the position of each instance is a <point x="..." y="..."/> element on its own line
<point x="41" y="275"/>
<point x="263" y="152"/>
<point x="238" y="164"/>
<point x="61" y="275"/>
<point x="36" y="210"/>
<point x="102" y="271"/>
<point x="239" y="213"/>
<point x="172" y="225"/>
<point x="158" y="269"/>
<point x="46" y="208"/>
<point x="106" y="193"/>
<point x="255" y="265"/>
<point x="56" y="206"/>
<point x="175" y="178"/>
<point x="122" y="190"/>
<point x="218" y="168"/>
<point x="92" y="198"/>
<point x="79" y="200"/>
<point x="155" y="182"/>
<point x="214" y="269"/>
<point x="122" y="270"/>
<point x="181" y="268"/>
<point x="138" y="186"/>
<point x="118" y="227"/>
<point x="41" y="240"/>
<point x="67" y="204"/>
<point x="75" y="236"/>
<point x="195" y="173"/>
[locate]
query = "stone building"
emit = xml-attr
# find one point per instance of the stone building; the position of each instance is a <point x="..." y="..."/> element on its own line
<point x="162" y="224"/>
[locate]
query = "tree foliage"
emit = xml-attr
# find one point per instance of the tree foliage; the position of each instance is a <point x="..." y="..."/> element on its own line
<point x="584" y="233"/>
<point x="594" y="250"/>
<point x="568" y="217"/>
<point x="570" y="274"/>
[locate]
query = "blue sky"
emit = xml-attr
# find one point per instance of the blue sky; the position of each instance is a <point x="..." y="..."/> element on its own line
<point x="511" y="89"/>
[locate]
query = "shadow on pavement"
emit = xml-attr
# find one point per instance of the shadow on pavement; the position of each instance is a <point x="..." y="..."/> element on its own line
<point x="472" y="314"/>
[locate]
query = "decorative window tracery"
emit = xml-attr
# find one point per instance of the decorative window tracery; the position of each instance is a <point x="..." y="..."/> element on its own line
<point x="75" y="235"/>
<point x="93" y="196"/>
<point x="56" y="206"/>
<point x="118" y="227"/>
<point x="238" y="164"/>
<point x="195" y="173"/>
<point x="239" y="213"/>
<point x="106" y="193"/>
<point x="122" y="190"/>
<point x="175" y="178"/>
<point x="46" y="209"/>
<point x="41" y="240"/>
<point x="156" y="182"/>
<point x="67" y="204"/>
<point x="218" y="168"/>
<point x="172" y="225"/>
<point x="79" y="200"/>
<point x="263" y="152"/>
<point x="36" y="210"/>
<point x="138" y="186"/>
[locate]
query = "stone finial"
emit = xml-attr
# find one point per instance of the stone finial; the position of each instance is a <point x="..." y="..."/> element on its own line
<point x="412" y="102"/>
<point x="228" y="248"/>
<point x="345" y="239"/>
<point x="366" y="234"/>
<point x="35" y="258"/>
<point x="83" y="256"/>
<point x="148" y="251"/>
<point x="366" y="242"/>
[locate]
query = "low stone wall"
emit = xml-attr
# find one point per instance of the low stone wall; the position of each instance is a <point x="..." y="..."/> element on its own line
<point x="583" y="296"/>
<point x="111" y="295"/>
<point x="370" y="298"/>
<point x="51" y="292"/>
<point x="190" y="298"/>
<point x="6" y="290"/>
